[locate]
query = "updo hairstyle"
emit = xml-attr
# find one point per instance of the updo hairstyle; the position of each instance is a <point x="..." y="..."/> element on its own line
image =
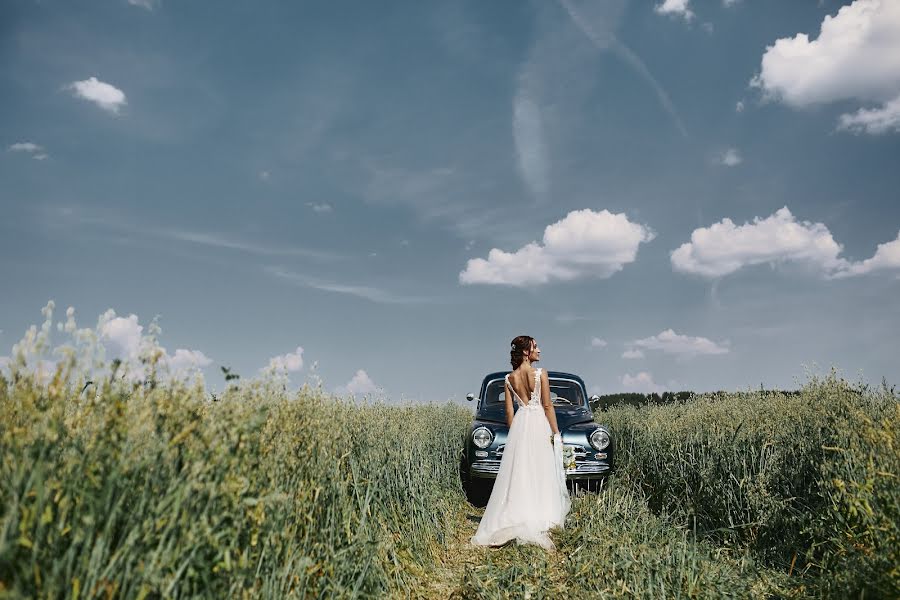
<point x="518" y="347"/>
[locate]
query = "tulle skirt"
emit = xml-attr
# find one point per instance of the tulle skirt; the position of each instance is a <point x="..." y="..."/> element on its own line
<point x="530" y="494"/>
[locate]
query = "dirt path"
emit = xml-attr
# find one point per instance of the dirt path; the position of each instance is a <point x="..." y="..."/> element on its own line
<point x="445" y="579"/>
<point x="447" y="573"/>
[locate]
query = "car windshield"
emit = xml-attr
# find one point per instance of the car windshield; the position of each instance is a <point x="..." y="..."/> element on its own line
<point x="563" y="391"/>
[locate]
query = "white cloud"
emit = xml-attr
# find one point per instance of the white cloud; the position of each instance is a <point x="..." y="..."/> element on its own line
<point x="185" y="360"/>
<point x="856" y="56"/>
<point x="598" y="342"/>
<point x="146" y="4"/>
<point x="583" y="244"/>
<point x="886" y="257"/>
<point x="680" y="345"/>
<point x="708" y="27"/>
<point x="729" y="3"/>
<point x="633" y="353"/>
<point x="122" y="334"/>
<point x="323" y="207"/>
<point x="724" y="248"/>
<point x="36" y="151"/>
<point x="730" y="158"/>
<point x="24" y="147"/>
<point x="264" y="176"/>
<point x="641" y="382"/>
<point x="739" y="106"/>
<point x="123" y="338"/>
<point x="676" y="8"/>
<point x="874" y="121"/>
<point x="290" y="362"/>
<point x="360" y="383"/>
<point x="106" y="96"/>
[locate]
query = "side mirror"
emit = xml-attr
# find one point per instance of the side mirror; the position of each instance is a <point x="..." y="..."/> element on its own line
<point x="594" y="402"/>
<point x="594" y="398"/>
<point x="470" y="397"/>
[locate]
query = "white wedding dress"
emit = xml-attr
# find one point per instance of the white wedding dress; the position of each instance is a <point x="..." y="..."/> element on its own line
<point x="530" y="494"/>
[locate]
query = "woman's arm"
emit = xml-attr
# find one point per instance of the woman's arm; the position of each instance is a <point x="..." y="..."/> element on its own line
<point x="548" y="404"/>
<point x="507" y="398"/>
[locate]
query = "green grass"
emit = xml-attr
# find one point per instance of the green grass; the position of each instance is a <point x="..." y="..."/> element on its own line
<point x="156" y="491"/>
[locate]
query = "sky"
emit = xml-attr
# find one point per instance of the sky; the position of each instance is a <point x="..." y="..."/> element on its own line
<point x="667" y="195"/>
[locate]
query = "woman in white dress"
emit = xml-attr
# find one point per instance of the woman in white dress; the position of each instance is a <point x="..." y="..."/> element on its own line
<point x="529" y="495"/>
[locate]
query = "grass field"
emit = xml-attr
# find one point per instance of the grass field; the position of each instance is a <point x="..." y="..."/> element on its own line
<point x="151" y="490"/>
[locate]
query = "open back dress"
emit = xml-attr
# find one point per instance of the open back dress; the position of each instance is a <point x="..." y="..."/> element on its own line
<point x="530" y="494"/>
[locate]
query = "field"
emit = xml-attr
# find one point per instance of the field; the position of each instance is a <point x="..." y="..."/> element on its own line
<point x="152" y="490"/>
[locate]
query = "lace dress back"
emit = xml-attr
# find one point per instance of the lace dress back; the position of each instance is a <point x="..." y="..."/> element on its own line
<point x="529" y="495"/>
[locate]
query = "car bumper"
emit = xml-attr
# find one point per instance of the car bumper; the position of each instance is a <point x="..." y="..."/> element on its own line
<point x="488" y="468"/>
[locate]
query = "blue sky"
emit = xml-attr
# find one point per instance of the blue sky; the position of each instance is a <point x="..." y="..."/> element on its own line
<point x="667" y="195"/>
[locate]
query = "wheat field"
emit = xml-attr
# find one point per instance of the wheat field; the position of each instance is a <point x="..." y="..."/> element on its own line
<point x="152" y="488"/>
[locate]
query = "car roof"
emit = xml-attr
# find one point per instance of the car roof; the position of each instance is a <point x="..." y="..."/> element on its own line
<point x="551" y="374"/>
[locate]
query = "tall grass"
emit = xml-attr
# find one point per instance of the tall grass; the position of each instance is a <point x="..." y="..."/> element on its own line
<point x="138" y="488"/>
<point x="808" y="482"/>
<point x="145" y="486"/>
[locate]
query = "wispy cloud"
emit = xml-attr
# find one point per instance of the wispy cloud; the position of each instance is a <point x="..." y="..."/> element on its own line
<point x="730" y="158"/>
<point x="66" y="216"/>
<point x="36" y="151"/>
<point x="145" y="4"/>
<point x="601" y="31"/>
<point x="373" y="294"/>
<point x="530" y="151"/>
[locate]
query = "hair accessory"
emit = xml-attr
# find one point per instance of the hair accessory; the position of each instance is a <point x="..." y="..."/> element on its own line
<point x="512" y="346"/>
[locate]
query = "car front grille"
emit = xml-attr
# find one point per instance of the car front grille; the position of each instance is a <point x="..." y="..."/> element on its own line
<point x="584" y="466"/>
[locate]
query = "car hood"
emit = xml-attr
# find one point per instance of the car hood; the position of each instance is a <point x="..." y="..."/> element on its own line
<point x="565" y="415"/>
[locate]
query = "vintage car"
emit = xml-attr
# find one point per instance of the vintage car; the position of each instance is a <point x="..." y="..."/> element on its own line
<point x="588" y="448"/>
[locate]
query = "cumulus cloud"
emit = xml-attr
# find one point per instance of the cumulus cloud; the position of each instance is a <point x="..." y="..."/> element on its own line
<point x="360" y="383"/>
<point x="122" y="335"/>
<point x="739" y="106"/>
<point x="290" y="362"/>
<point x="124" y="339"/>
<point x="641" y="382"/>
<point x="184" y="359"/>
<point x="633" y="353"/>
<point x="856" y="56"/>
<point x="873" y="121"/>
<point x="106" y="96"/>
<point x="730" y="158"/>
<point x="598" y="342"/>
<point x="886" y="257"/>
<point x="583" y="244"/>
<point x="724" y="247"/>
<point x="37" y="152"/>
<point x="680" y="345"/>
<point x="675" y="8"/>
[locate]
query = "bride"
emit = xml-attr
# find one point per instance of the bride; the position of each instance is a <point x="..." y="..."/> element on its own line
<point x="529" y="495"/>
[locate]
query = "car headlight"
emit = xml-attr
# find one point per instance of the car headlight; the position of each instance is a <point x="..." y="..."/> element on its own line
<point x="482" y="437"/>
<point x="599" y="439"/>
